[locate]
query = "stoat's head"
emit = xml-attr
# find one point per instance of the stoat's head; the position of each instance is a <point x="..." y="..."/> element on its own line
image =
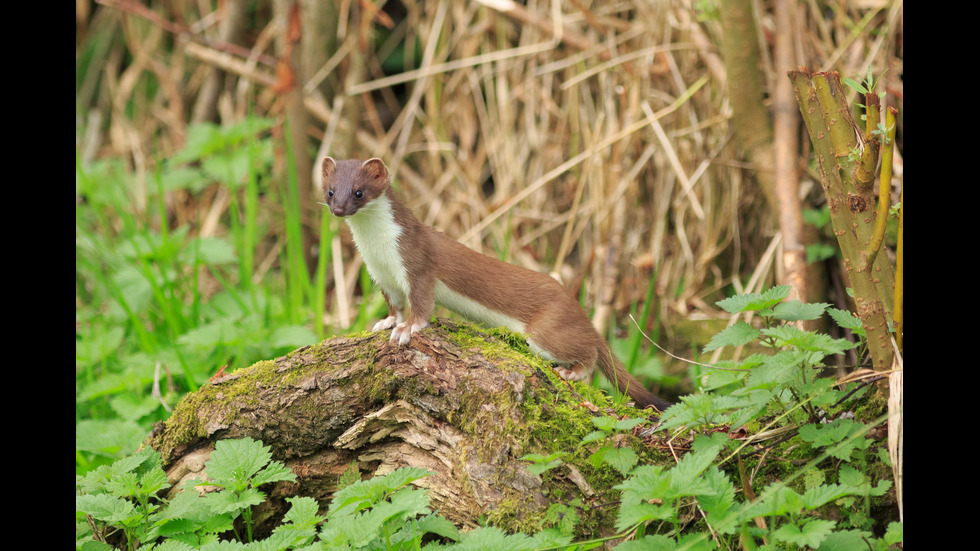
<point x="350" y="185"/>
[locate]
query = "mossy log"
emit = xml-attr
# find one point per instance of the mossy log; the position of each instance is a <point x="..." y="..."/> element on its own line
<point x="462" y="403"/>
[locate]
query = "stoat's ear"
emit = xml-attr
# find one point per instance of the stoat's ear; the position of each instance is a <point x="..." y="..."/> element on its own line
<point x="329" y="165"/>
<point x="375" y="169"/>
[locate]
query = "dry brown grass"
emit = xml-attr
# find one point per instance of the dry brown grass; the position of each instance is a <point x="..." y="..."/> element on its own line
<point x="587" y="139"/>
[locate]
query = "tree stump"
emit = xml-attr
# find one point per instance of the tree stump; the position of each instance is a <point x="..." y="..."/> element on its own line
<point x="462" y="402"/>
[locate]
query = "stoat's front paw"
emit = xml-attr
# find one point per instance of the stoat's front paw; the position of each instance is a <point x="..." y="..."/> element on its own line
<point x="386" y="323"/>
<point x="402" y="333"/>
<point x="577" y="372"/>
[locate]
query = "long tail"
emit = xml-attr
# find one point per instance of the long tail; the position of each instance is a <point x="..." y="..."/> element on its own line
<point x="613" y="370"/>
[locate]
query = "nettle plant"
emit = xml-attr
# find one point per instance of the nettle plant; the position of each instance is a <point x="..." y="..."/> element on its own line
<point x="124" y="496"/>
<point x="693" y="504"/>
<point x="778" y="394"/>
<point x="786" y="378"/>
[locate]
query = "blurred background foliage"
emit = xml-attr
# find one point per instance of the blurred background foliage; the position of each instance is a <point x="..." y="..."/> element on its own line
<point x="642" y="151"/>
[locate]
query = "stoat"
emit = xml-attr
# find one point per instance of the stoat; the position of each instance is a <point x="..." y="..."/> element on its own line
<point x="417" y="267"/>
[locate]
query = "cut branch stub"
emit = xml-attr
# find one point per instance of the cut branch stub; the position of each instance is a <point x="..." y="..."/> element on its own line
<point x="843" y="160"/>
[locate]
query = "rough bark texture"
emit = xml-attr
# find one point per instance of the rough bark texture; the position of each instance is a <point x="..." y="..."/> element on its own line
<point x="441" y="403"/>
<point x="847" y="182"/>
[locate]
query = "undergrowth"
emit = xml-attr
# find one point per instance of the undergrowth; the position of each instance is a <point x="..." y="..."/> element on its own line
<point x="165" y="299"/>
<point x="824" y="477"/>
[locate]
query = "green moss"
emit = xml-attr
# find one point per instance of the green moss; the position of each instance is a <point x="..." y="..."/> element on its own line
<point x="550" y="416"/>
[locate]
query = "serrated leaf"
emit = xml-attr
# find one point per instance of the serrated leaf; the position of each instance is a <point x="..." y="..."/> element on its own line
<point x="539" y="468"/>
<point x="823" y="494"/>
<point x="629" y="423"/>
<point x="719" y="504"/>
<point x="738" y="334"/>
<point x="781" y="368"/>
<point x="435" y="524"/>
<point x="552" y="538"/>
<point x="106" y="508"/>
<point x="827" y="434"/>
<point x="363" y="493"/>
<point x="754" y="302"/>
<point x="636" y="512"/>
<point x="153" y="481"/>
<point x="234" y="462"/>
<point x="811" y="534"/>
<point x="494" y="539"/>
<point x="788" y="335"/>
<point x="646" y="482"/>
<point x="230" y="502"/>
<point x="621" y="459"/>
<point x="275" y="472"/>
<point x="795" y="310"/>
<point x="780" y="502"/>
<point x="172" y="545"/>
<point x="302" y="512"/>
<point x="895" y="533"/>
<point x="847" y="540"/>
<point x="846" y="320"/>
<point x="593" y="436"/>
<point x="604" y="423"/>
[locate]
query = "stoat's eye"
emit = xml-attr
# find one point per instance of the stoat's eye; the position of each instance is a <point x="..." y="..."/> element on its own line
<point x="330" y="192"/>
<point x="359" y="194"/>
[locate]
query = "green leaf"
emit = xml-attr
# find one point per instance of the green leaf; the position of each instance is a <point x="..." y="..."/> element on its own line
<point x="782" y="501"/>
<point x="738" y="334"/>
<point x="435" y="524"/>
<point x="719" y="504"/>
<point x="811" y="534"/>
<point x="275" y="472"/>
<point x="754" y="302"/>
<point x="621" y="459"/>
<point x="788" y="335"/>
<point x="542" y="463"/>
<point x="895" y="533"/>
<point x="364" y="493"/>
<point x="106" y="508"/>
<point x="846" y="320"/>
<point x="823" y="494"/>
<point x="848" y="540"/>
<point x="233" y="502"/>
<point x="629" y="423"/>
<point x="855" y="85"/>
<point x="234" y="461"/>
<point x="302" y="512"/>
<point x="593" y="436"/>
<point x="633" y="512"/>
<point x="795" y="310"/>
<point x="782" y="368"/>
<point x="837" y="436"/>
<point x="494" y="539"/>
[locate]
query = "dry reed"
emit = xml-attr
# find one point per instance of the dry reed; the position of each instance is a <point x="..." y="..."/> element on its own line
<point x="587" y="139"/>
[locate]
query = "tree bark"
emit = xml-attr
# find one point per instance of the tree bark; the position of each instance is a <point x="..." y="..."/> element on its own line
<point x="846" y="165"/>
<point x="440" y="403"/>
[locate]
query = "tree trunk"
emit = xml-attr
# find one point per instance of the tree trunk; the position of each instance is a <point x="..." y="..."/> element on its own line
<point x="440" y="403"/>
<point x="847" y="164"/>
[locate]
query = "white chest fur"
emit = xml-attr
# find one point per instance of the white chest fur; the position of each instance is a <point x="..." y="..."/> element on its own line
<point x="376" y="236"/>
